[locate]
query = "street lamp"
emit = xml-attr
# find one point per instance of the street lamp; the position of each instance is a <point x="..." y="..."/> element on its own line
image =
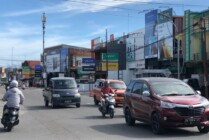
<point x="43" y="25"/>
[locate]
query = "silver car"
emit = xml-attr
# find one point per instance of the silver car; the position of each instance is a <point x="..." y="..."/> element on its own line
<point x="62" y="91"/>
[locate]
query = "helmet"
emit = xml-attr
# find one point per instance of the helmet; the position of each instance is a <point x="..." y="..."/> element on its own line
<point x="106" y="82"/>
<point x="14" y="83"/>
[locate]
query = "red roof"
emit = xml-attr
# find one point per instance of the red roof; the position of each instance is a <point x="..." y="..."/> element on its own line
<point x="32" y="63"/>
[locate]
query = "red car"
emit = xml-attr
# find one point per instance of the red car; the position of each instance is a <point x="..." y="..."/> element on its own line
<point x="165" y="102"/>
<point x="118" y="85"/>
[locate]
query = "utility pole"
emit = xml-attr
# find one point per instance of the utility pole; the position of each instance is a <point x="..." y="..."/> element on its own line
<point x="44" y="67"/>
<point x="204" y="54"/>
<point x="106" y="57"/>
<point x="178" y="60"/>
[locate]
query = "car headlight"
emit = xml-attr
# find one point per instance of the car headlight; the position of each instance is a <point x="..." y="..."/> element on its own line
<point x="77" y="95"/>
<point x="205" y="103"/>
<point x="167" y="104"/>
<point x="56" y="95"/>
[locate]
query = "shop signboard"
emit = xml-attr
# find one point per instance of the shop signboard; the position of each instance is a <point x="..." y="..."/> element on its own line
<point x="110" y="57"/>
<point x="88" y="61"/>
<point x="112" y="66"/>
<point x="25" y="70"/>
<point x="88" y="68"/>
<point x="38" y="71"/>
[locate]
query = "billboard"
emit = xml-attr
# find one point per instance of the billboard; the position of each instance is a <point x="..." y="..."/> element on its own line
<point x="151" y="48"/>
<point x="64" y="59"/>
<point x="53" y="61"/>
<point x="134" y="44"/>
<point x="165" y="34"/>
<point x="95" y="43"/>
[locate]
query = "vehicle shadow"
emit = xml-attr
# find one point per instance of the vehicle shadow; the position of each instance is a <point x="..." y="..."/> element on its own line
<point x="36" y="108"/>
<point x="89" y="105"/>
<point x="101" y="117"/>
<point x="2" y="130"/>
<point x="141" y="130"/>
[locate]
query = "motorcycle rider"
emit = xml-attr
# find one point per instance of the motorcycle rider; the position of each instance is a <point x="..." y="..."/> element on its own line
<point x="106" y="89"/>
<point x="13" y="96"/>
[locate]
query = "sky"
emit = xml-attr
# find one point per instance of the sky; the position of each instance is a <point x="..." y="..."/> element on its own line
<point x="73" y="22"/>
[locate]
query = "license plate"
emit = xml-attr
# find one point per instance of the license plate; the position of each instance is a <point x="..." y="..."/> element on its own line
<point x="68" y="101"/>
<point x="191" y="120"/>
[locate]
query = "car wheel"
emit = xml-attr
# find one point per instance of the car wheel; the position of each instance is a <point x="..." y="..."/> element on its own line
<point x="95" y="101"/>
<point x="111" y="113"/>
<point x="103" y="114"/>
<point x="78" y="105"/>
<point x="203" y="129"/>
<point x="129" y="119"/>
<point x="46" y="103"/>
<point x="155" y="124"/>
<point x="53" y="105"/>
<point x="9" y="127"/>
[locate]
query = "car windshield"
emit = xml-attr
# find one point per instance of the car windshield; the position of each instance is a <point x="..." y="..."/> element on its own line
<point x="117" y="85"/>
<point x="65" y="84"/>
<point x="172" y="89"/>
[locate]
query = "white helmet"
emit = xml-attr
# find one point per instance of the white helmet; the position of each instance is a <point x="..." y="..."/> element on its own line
<point x="14" y="83"/>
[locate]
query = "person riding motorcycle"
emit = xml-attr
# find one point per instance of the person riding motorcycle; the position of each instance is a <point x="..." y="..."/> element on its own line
<point x="13" y="96"/>
<point x="106" y="89"/>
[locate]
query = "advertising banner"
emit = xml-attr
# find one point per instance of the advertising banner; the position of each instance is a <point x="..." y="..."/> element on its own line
<point x="130" y="55"/>
<point x="64" y="59"/>
<point x="95" y="43"/>
<point x="134" y="44"/>
<point x="53" y="63"/>
<point x="151" y="48"/>
<point x="165" y="34"/>
<point x="112" y="38"/>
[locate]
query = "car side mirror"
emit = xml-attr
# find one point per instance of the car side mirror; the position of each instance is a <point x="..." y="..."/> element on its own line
<point x="78" y="86"/>
<point x="198" y="92"/>
<point x="116" y="90"/>
<point x="146" y="93"/>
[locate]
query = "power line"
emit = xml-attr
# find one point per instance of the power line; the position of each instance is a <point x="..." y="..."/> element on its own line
<point x="103" y="5"/>
<point x="11" y="60"/>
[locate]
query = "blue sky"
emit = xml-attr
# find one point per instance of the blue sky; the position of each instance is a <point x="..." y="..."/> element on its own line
<point x="73" y="22"/>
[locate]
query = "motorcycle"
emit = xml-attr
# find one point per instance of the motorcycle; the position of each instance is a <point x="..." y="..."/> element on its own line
<point x="23" y="86"/>
<point x="10" y="118"/>
<point x="109" y="106"/>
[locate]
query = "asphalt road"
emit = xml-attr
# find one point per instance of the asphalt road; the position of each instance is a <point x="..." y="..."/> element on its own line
<point x="86" y="123"/>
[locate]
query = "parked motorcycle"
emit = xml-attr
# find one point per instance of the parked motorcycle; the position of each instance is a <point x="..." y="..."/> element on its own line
<point x="10" y="118"/>
<point x="109" y="106"/>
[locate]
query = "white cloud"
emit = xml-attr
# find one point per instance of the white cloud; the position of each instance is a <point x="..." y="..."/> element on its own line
<point x="100" y="30"/>
<point x="77" y="6"/>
